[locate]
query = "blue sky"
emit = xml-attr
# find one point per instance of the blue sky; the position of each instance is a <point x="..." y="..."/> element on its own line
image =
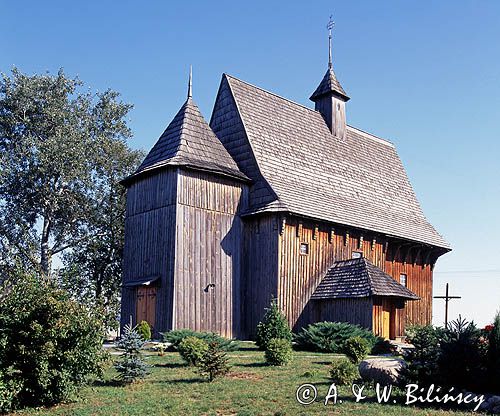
<point x="425" y="75"/>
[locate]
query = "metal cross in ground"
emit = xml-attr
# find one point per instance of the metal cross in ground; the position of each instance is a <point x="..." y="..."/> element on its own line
<point x="446" y="298"/>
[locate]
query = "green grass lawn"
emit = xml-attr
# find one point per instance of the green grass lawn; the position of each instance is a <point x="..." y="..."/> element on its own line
<point x="252" y="388"/>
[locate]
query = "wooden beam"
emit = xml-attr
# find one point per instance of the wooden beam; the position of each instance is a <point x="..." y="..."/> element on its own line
<point x="331" y="237"/>
<point x="283" y="225"/>
<point x="360" y="244"/>
<point x="374" y="243"/>
<point x="346" y="240"/>
<point x="316" y="231"/>
<point x="299" y="229"/>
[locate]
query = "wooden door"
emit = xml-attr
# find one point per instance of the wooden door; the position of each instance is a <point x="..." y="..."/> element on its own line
<point x="386" y="322"/>
<point x="146" y="305"/>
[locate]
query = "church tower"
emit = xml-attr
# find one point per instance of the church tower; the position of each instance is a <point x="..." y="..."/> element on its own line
<point x="330" y="97"/>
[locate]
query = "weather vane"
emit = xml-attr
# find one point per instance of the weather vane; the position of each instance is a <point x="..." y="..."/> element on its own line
<point x="329" y="26"/>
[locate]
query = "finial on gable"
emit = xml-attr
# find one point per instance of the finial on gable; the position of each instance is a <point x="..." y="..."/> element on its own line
<point x="330" y="26"/>
<point x="190" y="84"/>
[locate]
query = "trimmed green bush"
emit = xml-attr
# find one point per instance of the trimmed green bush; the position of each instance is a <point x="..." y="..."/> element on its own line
<point x="176" y="336"/>
<point x="214" y="363"/>
<point x="279" y="352"/>
<point x="330" y="336"/>
<point x="192" y="349"/>
<point x="144" y="330"/>
<point x="356" y="349"/>
<point x="343" y="372"/>
<point x="49" y="344"/>
<point x="273" y="325"/>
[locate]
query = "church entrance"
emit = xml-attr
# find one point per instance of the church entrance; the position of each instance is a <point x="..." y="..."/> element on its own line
<point x="146" y="305"/>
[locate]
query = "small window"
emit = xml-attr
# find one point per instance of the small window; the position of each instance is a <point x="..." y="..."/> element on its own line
<point x="357" y="255"/>
<point x="304" y="248"/>
<point x="402" y="279"/>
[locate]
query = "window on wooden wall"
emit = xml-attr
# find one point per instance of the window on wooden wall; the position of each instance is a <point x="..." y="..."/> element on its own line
<point x="402" y="279"/>
<point x="357" y="254"/>
<point x="304" y="249"/>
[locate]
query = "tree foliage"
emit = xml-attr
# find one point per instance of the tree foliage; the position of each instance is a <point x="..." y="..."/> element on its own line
<point x="58" y="146"/>
<point x="49" y="344"/>
<point x="63" y="151"/>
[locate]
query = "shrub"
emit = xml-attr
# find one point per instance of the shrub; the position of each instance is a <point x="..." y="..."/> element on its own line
<point x="49" y="344"/>
<point x="130" y="366"/>
<point x="192" y="349"/>
<point x="494" y="354"/>
<point x="330" y="336"/>
<point x="423" y="359"/>
<point x="273" y="325"/>
<point x="214" y="362"/>
<point x="356" y="349"/>
<point x="176" y="336"/>
<point x="279" y="351"/>
<point x="8" y="394"/>
<point x="383" y="346"/>
<point x="462" y="356"/>
<point x="144" y="330"/>
<point x="343" y="372"/>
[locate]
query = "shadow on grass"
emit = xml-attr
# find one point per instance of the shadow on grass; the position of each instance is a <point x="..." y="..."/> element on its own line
<point x="170" y="365"/>
<point x="322" y="362"/>
<point x="182" y="381"/>
<point x="107" y="383"/>
<point x="247" y="349"/>
<point x="251" y="365"/>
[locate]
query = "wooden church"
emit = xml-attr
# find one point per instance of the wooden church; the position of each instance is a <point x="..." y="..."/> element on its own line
<point x="275" y="199"/>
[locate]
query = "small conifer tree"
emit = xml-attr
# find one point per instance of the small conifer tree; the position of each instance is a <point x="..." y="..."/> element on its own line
<point x="214" y="362"/>
<point x="131" y="366"/>
<point x="494" y="353"/>
<point x="273" y="325"/>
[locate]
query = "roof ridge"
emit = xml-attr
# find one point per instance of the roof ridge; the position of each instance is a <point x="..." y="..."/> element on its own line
<point x="270" y="92"/>
<point x="364" y="133"/>
<point x="372" y="136"/>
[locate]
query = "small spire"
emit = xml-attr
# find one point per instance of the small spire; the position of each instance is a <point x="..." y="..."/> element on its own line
<point x="329" y="26"/>
<point x="190" y="84"/>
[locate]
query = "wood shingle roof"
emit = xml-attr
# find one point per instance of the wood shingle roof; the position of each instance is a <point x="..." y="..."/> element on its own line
<point x="189" y="141"/>
<point x="329" y="84"/>
<point x="358" y="278"/>
<point x="358" y="182"/>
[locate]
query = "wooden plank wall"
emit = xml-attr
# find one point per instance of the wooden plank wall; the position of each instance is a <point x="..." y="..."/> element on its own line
<point x="149" y="243"/>
<point x="355" y="311"/>
<point x="260" y="268"/>
<point x="208" y="251"/>
<point x="299" y="274"/>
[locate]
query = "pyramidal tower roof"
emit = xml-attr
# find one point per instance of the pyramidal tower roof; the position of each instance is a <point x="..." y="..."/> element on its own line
<point x="329" y="85"/>
<point x="189" y="141"/>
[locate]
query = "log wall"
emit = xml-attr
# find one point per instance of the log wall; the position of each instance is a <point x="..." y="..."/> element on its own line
<point x="208" y="252"/>
<point x="149" y="243"/>
<point x="299" y="274"/>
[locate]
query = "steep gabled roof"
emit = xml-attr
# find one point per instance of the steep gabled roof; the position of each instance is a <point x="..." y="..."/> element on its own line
<point x="359" y="182"/>
<point x="189" y="141"/>
<point x="329" y="84"/>
<point x="358" y="278"/>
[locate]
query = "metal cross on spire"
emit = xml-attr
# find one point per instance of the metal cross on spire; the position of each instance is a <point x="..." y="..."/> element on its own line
<point x="190" y="83"/>
<point x="330" y="26"/>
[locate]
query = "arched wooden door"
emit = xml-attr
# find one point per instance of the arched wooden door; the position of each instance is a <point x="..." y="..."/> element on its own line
<point x="146" y="305"/>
